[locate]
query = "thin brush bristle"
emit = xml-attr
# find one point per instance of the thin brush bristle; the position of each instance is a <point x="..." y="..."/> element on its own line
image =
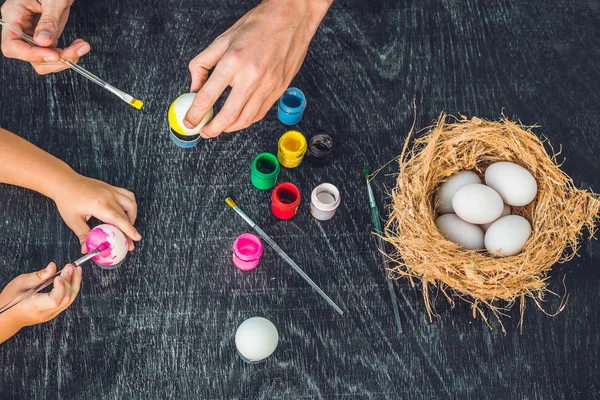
<point x="230" y="201"/>
<point x="103" y="246"/>
<point x="137" y="103"/>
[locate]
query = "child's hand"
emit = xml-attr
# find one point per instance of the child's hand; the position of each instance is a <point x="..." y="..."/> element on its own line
<point x="83" y="198"/>
<point x="78" y="198"/>
<point x="39" y="307"/>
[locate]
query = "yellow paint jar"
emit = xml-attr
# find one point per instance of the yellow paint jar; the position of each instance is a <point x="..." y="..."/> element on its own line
<point x="291" y="148"/>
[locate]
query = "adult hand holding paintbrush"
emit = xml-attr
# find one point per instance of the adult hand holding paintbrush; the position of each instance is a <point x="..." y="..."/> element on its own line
<point x="32" y="52"/>
<point x="45" y="21"/>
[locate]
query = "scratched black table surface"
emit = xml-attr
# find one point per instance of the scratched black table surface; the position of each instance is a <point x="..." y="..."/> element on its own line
<point x="163" y="325"/>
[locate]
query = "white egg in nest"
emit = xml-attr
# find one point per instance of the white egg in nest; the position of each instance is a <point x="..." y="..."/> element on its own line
<point x="444" y="194"/>
<point x="507" y="236"/>
<point x="456" y="230"/>
<point x="514" y="184"/>
<point x="477" y="204"/>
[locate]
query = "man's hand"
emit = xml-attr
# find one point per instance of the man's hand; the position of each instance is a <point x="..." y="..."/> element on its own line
<point x="45" y="21"/>
<point x="258" y="57"/>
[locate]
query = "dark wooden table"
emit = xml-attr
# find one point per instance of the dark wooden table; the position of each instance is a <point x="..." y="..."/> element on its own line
<point x="162" y="326"/>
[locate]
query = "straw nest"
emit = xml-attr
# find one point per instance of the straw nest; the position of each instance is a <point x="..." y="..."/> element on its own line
<point x="558" y="215"/>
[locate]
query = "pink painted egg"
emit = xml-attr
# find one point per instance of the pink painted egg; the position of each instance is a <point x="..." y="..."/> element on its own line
<point x="118" y="245"/>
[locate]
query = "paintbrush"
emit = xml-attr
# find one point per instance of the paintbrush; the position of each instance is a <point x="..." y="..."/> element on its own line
<point x="381" y="244"/>
<point x="282" y="254"/>
<point x="49" y="280"/>
<point x="132" y="101"/>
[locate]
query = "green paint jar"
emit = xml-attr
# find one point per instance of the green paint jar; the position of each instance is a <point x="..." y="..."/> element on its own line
<point x="264" y="171"/>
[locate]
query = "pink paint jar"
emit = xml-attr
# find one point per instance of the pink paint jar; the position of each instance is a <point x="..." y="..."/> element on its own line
<point x="247" y="250"/>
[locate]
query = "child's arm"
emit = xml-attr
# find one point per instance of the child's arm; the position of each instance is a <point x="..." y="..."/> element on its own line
<point x="40" y="307"/>
<point x="78" y="198"/>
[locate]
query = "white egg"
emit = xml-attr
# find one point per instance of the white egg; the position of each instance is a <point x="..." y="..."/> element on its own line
<point x="460" y="232"/>
<point x="514" y="184"/>
<point x="256" y="339"/>
<point x="181" y="105"/>
<point x="444" y="194"/>
<point x="507" y="236"/>
<point x="505" y="212"/>
<point x="477" y="204"/>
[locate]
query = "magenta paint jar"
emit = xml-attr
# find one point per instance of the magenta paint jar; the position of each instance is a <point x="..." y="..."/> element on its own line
<point x="247" y="250"/>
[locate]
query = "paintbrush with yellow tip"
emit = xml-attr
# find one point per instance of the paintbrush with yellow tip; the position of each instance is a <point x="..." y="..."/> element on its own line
<point x="282" y="254"/>
<point x="132" y="101"/>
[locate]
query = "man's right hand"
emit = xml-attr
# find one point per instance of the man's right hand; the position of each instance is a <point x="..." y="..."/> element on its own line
<point x="45" y="21"/>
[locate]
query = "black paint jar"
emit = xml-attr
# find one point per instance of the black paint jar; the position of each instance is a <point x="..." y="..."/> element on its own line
<point x="320" y="149"/>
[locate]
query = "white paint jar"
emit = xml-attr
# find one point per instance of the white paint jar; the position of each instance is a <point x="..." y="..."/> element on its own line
<point x="324" y="201"/>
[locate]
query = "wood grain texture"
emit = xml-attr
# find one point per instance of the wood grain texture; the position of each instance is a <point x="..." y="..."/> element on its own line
<point x="162" y="326"/>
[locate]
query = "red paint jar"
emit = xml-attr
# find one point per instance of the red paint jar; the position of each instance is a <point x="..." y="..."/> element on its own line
<point x="285" y="200"/>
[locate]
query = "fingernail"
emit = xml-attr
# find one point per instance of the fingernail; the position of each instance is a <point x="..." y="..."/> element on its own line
<point x="187" y="124"/>
<point x="83" y="50"/>
<point x="202" y="134"/>
<point x="70" y="272"/>
<point x="51" y="59"/>
<point x="137" y="236"/>
<point x="47" y="269"/>
<point x="78" y="270"/>
<point x="44" y="35"/>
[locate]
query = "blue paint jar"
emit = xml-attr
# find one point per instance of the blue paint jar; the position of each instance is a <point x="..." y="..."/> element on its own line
<point x="291" y="106"/>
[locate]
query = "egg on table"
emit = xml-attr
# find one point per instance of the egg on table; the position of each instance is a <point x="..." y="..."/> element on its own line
<point x="456" y="230"/>
<point x="505" y="212"/>
<point x="181" y="135"/>
<point x="507" y="236"/>
<point x="256" y="339"/>
<point x="444" y="194"/>
<point x="118" y="247"/>
<point x="514" y="184"/>
<point x="477" y="204"/>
